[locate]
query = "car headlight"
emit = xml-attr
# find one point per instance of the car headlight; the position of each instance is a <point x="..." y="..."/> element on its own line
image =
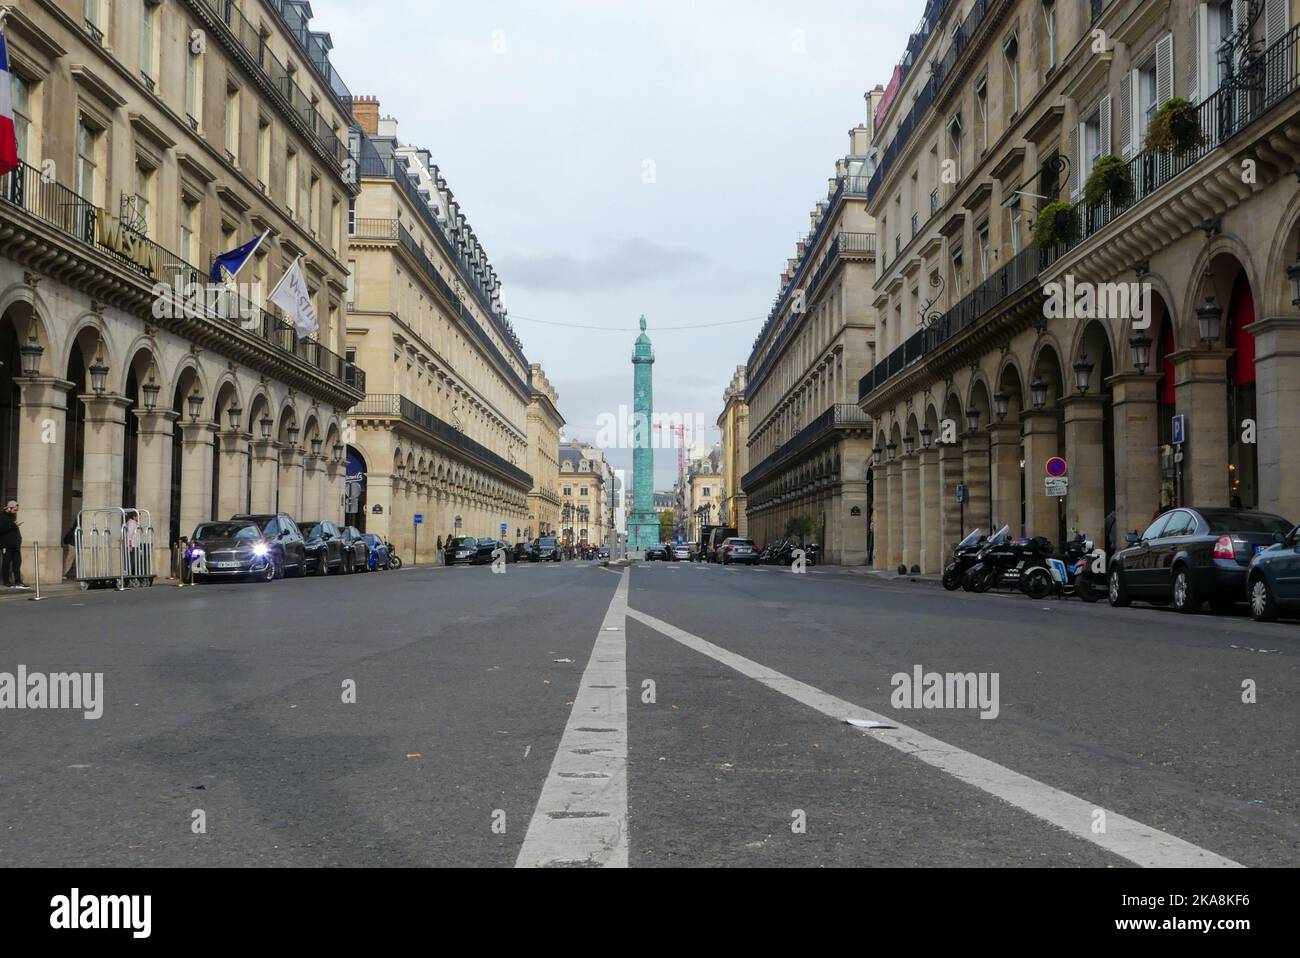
<point x="196" y="553"/>
<point x="260" y="550"/>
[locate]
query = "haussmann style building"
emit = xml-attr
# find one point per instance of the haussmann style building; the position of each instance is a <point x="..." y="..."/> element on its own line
<point x="1089" y="217"/>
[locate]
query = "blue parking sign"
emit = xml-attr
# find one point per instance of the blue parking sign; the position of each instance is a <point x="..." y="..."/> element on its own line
<point x="419" y="519"/>
<point x="1179" y="430"/>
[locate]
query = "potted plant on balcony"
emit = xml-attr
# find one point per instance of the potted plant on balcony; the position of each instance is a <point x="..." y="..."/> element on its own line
<point x="1109" y="180"/>
<point x="1056" y="224"/>
<point x="1175" y="127"/>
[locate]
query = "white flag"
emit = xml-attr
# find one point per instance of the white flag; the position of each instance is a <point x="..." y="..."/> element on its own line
<point x="292" y="296"/>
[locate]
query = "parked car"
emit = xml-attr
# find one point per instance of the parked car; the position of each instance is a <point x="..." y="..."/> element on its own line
<point x="506" y="548"/>
<point x="356" y="551"/>
<point x="681" y="552"/>
<point x="380" y="558"/>
<point x="1189" y="556"/>
<point x="656" y="553"/>
<point x="231" y="550"/>
<point x="523" y="551"/>
<point x="324" y="545"/>
<point x="284" y="542"/>
<point x="738" y="550"/>
<point x="462" y="550"/>
<point x="546" y="549"/>
<point x="1273" y="581"/>
<point x="602" y="552"/>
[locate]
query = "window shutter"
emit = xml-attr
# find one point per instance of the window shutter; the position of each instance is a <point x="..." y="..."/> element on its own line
<point x="1124" y="118"/>
<point x="1164" y="70"/>
<point x="1191" y="56"/>
<point x="1076" y="161"/>
<point x="1204" y="56"/>
<point x="1105" y="125"/>
<point x="1276" y="16"/>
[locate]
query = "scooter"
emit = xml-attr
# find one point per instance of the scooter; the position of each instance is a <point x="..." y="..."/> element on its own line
<point x="1059" y="574"/>
<point x="995" y="541"/>
<point x="1007" y="564"/>
<point x="963" y="557"/>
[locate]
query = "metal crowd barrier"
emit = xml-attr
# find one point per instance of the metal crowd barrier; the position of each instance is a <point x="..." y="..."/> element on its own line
<point x="113" y="550"/>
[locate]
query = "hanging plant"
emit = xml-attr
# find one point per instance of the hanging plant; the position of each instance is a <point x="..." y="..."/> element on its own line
<point x="1109" y="180"/>
<point x="1175" y="127"/>
<point x="1056" y="224"/>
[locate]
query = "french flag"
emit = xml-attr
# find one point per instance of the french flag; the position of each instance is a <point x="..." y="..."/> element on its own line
<point x="8" y="136"/>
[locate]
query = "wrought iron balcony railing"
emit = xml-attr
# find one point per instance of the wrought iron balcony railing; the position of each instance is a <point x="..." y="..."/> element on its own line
<point x="399" y="407"/>
<point x="85" y="223"/>
<point x="837" y="416"/>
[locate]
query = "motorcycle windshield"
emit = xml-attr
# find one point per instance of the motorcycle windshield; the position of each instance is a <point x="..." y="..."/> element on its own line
<point x="1000" y="536"/>
<point x="970" y="540"/>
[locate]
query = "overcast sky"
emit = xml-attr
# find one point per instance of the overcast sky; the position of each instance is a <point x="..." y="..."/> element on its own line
<point x="623" y="157"/>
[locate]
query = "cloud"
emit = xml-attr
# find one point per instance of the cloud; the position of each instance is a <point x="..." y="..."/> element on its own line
<point x="629" y="262"/>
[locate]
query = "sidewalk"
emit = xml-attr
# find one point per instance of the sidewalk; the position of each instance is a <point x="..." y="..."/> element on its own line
<point x="929" y="578"/>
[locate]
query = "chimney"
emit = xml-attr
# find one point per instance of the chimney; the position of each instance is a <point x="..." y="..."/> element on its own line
<point x="859" y="140"/>
<point x="365" y="109"/>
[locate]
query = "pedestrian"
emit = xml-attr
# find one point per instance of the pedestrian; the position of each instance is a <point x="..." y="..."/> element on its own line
<point x="131" y="536"/>
<point x="11" y="543"/>
<point x="70" y="552"/>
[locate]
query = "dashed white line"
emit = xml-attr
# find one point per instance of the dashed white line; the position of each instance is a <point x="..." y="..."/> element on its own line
<point x="581" y="815"/>
<point x="1125" y="837"/>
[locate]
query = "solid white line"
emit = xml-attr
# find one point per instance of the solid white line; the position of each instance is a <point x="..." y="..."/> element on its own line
<point x="1139" y="843"/>
<point x="581" y="815"/>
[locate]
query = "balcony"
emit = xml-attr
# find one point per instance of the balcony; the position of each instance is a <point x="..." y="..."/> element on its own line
<point x="838" y="416"/>
<point x="381" y="229"/>
<point x="390" y="405"/>
<point x="86" y="225"/>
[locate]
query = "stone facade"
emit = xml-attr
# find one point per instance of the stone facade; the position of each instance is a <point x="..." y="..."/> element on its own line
<point x="583" y="478"/>
<point x="733" y="424"/>
<point x="808" y="442"/>
<point x="980" y="377"/>
<point x="152" y="141"/>
<point x="443" y="430"/>
<point x="544" y="425"/>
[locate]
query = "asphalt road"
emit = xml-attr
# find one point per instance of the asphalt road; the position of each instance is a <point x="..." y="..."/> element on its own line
<point x="491" y="727"/>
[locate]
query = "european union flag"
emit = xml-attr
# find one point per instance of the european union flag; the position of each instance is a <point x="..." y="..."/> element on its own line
<point x="229" y="264"/>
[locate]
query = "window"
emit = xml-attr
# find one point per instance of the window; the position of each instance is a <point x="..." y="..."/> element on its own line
<point x="1011" y="51"/>
<point x="263" y="153"/>
<point x="189" y="230"/>
<point x="193" y="86"/>
<point x="568" y="490"/>
<point x="22" y="100"/>
<point x="335" y="220"/>
<point x="232" y="124"/>
<point x="148" y="34"/>
<point x="1091" y="143"/>
<point x="1146" y="97"/>
<point x="1223" y="23"/>
<point x="313" y="204"/>
<point x="291" y="184"/>
<point x="88" y="181"/>
<point x="144" y="207"/>
<point x="956" y="269"/>
<point x="982" y="104"/>
<point x="1016" y="220"/>
<point x="583" y="491"/>
<point x="982" y="237"/>
<point x="1049" y="23"/>
<point x="95" y="20"/>
<point x="954" y="140"/>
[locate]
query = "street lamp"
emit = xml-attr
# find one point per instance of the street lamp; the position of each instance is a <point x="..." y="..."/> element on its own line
<point x="1038" y="393"/>
<point x="1140" y="347"/>
<point x="266" y="422"/>
<point x="98" y="376"/>
<point x="196" y="404"/>
<point x="972" y="419"/>
<point x="909" y="444"/>
<point x="151" y="389"/>
<point x="316" y="445"/>
<point x="235" y="414"/>
<point x="1002" y="403"/>
<point x="927" y="437"/>
<point x="876" y="454"/>
<point x="892" y="449"/>
<point x="1209" y="317"/>
<point x="292" y="433"/>
<point x="338" y="452"/>
<point x="31" y="352"/>
<point x="1083" y="374"/>
<point x="1293" y="274"/>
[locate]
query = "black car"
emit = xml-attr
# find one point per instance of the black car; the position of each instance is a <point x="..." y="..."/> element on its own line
<point x="323" y="543"/>
<point x="1190" y="556"/>
<point x="462" y="550"/>
<point x="284" y="541"/>
<point x="523" y="551"/>
<point x="546" y="549"/>
<point x="1274" y="581"/>
<point x="656" y="553"/>
<point x="355" y="549"/>
<point x="231" y="550"/>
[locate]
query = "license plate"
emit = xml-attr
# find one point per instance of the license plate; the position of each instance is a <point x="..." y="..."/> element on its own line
<point x="225" y="565"/>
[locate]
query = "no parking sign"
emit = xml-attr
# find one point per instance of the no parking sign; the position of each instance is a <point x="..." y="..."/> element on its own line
<point x="1057" y="467"/>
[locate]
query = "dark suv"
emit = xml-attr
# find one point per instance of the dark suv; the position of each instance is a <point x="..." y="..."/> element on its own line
<point x="230" y="550"/>
<point x="546" y="549"/>
<point x="323" y="543"/>
<point x="284" y="542"/>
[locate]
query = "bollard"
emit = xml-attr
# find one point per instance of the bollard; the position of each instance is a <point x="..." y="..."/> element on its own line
<point x="36" y="557"/>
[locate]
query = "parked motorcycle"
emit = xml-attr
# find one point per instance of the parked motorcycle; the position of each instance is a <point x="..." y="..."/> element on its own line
<point x="1007" y="563"/>
<point x="1060" y="573"/>
<point x="394" y="561"/>
<point x="963" y="557"/>
<point x="995" y="541"/>
<point x="811" y="552"/>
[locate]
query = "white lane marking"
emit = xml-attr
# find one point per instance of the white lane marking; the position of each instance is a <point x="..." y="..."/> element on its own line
<point x="1139" y="843"/>
<point x="612" y="571"/>
<point x="581" y="815"/>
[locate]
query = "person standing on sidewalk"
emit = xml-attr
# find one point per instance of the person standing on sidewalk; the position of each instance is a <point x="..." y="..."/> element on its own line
<point x="11" y="543"/>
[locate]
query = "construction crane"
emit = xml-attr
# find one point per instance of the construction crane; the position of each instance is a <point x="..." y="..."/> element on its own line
<point x="678" y="430"/>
